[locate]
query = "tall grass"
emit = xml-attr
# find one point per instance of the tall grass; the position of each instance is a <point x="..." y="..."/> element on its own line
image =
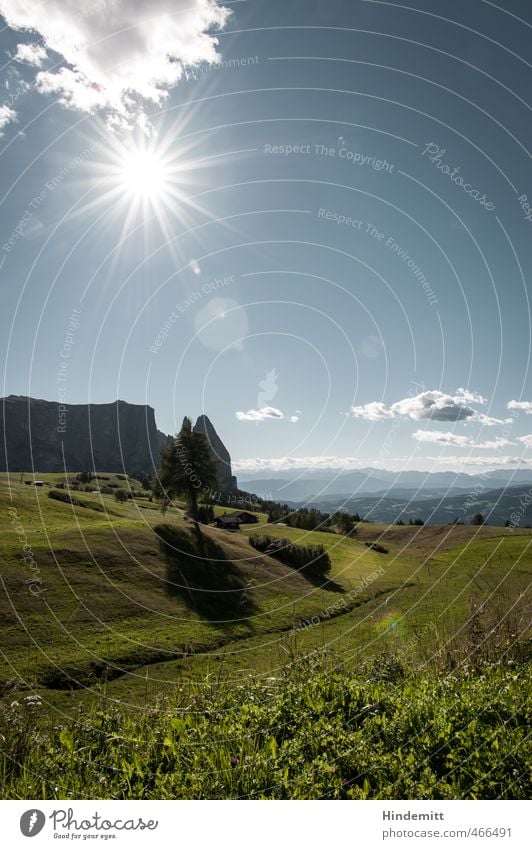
<point x="319" y="731"/>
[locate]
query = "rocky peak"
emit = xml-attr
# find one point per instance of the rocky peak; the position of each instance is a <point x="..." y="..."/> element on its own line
<point x="221" y="454"/>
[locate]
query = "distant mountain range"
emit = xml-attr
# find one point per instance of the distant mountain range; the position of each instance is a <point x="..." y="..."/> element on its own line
<point x="321" y="485"/>
<point x="497" y="506"/>
<point x="383" y="496"/>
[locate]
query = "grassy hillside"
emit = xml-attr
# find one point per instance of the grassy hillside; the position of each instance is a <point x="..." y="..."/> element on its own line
<point x="96" y="601"/>
<point x="237" y="676"/>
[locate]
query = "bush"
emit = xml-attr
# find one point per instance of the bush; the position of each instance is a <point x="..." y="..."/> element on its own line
<point x="121" y="495"/>
<point x="312" y="560"/>
<point x="376" y="547"/>
<point x="84" y="477"/>
<point x="56" y="495"/>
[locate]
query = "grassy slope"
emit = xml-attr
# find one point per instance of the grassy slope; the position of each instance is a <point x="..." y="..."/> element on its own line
<point x="386" y="732"/>
<point x="109" y="606"/>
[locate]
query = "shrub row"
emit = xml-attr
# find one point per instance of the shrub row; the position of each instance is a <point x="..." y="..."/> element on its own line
<point x="312" y="560"/>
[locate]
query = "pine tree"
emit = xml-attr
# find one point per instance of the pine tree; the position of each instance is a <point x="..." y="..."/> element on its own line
<point x="187" y="470"/>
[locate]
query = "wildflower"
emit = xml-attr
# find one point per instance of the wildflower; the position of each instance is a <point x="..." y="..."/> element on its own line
<point x="234" y="761"/>
<point x="14" y="705"/>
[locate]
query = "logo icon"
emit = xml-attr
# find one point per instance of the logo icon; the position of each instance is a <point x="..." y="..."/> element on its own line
<point x="268" y="387"/>
<point x="32" y="822"/>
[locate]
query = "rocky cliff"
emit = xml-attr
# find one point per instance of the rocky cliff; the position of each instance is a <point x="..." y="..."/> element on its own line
<point x="221" y="454"/>
<point x="49" y="437"/>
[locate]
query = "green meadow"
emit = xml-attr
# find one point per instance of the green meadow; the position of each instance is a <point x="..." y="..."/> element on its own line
<point x="104" y="626"/>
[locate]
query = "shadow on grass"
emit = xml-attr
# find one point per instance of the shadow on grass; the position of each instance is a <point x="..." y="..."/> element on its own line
<point x="200" y="573"/>
<point x="324" y="583"/>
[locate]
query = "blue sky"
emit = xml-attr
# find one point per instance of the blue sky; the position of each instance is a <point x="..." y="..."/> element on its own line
<point x="321" y="241"/>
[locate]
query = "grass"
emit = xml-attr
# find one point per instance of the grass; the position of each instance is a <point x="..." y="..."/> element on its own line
<point x="114" y="607"/>
<point x="108" y="600"/>
<point x="315" y="733"/>
<point x="123" y="623"/>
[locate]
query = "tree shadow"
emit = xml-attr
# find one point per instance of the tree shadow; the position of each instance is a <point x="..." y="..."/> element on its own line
<point x="199" y="572"/>
<point x="324" y="583"/>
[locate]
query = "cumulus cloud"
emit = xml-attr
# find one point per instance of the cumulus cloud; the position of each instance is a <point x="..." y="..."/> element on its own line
<point x="430" y="404"/>
<point x="7" y="115"/>
<point x="31" y="54"/>
<point x="522" y="406"/>
<point x="263" y="414"/>
<point x="279" y="464"/>
<point x="439" y="406"/>
<point x="375" y="411"/>
<point x="448" y="438"/>
<point x="119" y="54"/>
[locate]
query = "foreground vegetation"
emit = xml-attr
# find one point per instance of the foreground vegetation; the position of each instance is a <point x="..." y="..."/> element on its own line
<point x="144" y="657"/>
<point x="314" y="733"/>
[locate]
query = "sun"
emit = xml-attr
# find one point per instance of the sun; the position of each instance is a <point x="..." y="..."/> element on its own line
<point x="146" y="182"/>
<point x="143" y="175"/>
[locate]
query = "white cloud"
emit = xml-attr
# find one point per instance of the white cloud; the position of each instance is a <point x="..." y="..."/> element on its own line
<point x="490" y="421"/>
<point x="7" y="115"/>
<point x="430" y="404"/>
<point x="31" y="54"/>
<point x="439" y="406"/>
<point x="375" y="411"/>
<point x="458" y="440"/>
<point x="526" y="440"/>
<point x="516" y="462"/>
<point x="447" y="438"/>
<point x="278" y="464"/>
<point x="263" y="414"/>
<point x="120" y="55"/>
<point x="522" y="406"/>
